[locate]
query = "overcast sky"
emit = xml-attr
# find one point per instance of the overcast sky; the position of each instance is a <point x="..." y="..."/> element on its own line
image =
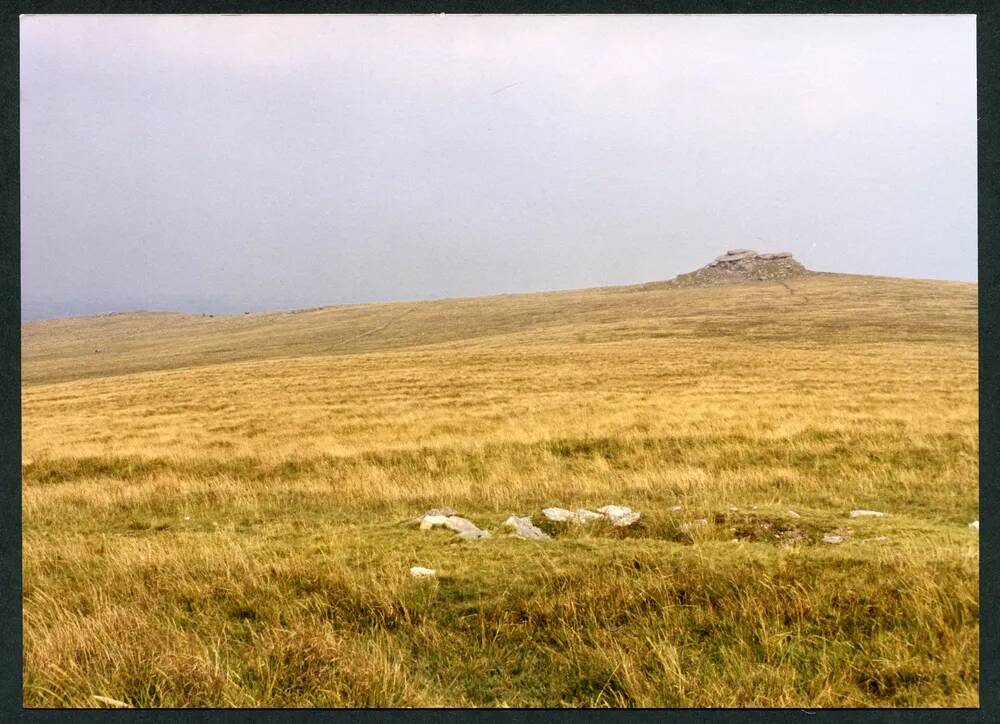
<point x="232" y="163"/>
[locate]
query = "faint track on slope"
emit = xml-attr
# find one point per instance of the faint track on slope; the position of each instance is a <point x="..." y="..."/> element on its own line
<point x="373" y="330"/>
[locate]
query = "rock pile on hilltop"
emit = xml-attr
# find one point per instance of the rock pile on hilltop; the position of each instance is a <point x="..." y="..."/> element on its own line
<point x="741" y="265"/>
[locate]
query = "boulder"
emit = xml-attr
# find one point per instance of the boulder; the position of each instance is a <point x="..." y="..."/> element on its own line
<point x="524" y="528"/>
<point x="561" y="515"/>
<point x="432" y="513"/>
<point x="619" y="515"/>
<point x="466" y="529"/>
<point x="431" y="521"/>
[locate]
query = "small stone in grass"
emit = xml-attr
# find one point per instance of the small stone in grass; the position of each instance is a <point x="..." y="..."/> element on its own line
<point x="832" y="539"/>
<point x="474" y="534"/>
<point x="421" y="572"/>
<point x="619" y="515"/>
<point x="974" y="525"/>
<point x="430" y="521"/>
<point x="793" y="514"/>
<point x="866" y="514"/>
<point x="524" y="528"/>
<point x="561" y="515"/>
<point x="627" y="519"/>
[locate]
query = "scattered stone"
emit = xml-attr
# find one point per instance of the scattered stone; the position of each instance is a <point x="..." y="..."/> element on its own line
<point x="627" y="519"/>
<point x="524" y="528"/>
<point x="833" y="539"/>
<point x="430" y="521"/>
<point x="561" y="515"/>
<point x="620" y="515"/>
<point x="466" y="529"/>
<point x="421" y="572"/>
<point x="474" y="534"/>
<point x="434" y="513"/>
<point x="974" y="525"/>
<point x="463" y="526"/>
<point x="793" y="514"/>
<point x="866" y="514"/>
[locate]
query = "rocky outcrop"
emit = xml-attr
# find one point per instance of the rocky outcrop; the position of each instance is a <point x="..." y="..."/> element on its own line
<point x="743" y="265"/>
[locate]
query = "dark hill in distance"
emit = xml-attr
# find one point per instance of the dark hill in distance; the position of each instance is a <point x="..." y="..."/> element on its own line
<point x="776" y="300"/>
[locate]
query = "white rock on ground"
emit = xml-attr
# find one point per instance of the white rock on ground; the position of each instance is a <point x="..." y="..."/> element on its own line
<point x="628" y="519"/>
<point x="466" y="529"/>
<point x="430" y="521"/>
<point x="974" y="525"/>
<point x="866" y="514"/>
<point x="619" y="515"/>
<point x="793" y="514"/>
<point x="433" y="512"/>
<point x="474" y="534"/>
<point x="675" y="508"/>
<point x="833" y="539"/>
<point x="561" y="515"/>
<point x="524" y="528"/>
<point x="421" y="572"/>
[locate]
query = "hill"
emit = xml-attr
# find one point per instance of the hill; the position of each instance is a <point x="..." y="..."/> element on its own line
<point x="213" y="506"/>
<point x="831" y="307"/>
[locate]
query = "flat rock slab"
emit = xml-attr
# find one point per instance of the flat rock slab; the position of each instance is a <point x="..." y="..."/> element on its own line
<point x="474" y="534"/>
<point x="431" y="521"/>
<point x="561" y="515"/>
<point x="466" y="529"/>
<point x="867" y="514"/>
<point x="433" y="513"/>
<point x="619" y="515"/>
<point x="524" y="528"/>
<point x="421" y="572"/>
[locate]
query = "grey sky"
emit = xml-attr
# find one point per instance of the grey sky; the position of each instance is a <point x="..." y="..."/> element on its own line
<point x="216" y="163"/>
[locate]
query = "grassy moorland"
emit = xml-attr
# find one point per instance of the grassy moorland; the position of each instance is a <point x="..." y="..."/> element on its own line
<point x="212" y="505"/>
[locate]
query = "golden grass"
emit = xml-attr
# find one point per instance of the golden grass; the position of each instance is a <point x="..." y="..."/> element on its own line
<point x="211" y="505"/>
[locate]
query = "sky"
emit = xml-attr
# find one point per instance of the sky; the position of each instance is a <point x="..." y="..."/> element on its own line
<point x="211" y="163"/>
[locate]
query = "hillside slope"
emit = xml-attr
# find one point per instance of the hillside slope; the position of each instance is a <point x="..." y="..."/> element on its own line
<point x="820" y="307"/>
<point x="229" y="534"/>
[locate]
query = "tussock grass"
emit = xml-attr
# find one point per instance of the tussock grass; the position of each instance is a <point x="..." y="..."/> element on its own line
<point x="212" y="505"/>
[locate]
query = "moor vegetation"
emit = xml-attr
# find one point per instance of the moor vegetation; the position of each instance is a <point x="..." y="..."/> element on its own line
<point x="212" y="505"/>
